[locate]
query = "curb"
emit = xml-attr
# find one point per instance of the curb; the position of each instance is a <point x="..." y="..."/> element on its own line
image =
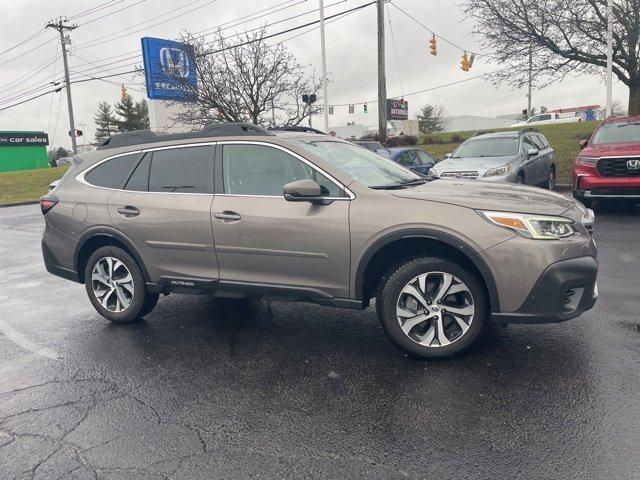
<point x="19" y="204"/>
<point x="563" y="187"/>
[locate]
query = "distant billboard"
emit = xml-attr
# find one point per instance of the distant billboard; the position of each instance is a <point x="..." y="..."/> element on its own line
<point x="170" y="69"/>
<point x="23" y="139"/>
<point x="397" y="109"/>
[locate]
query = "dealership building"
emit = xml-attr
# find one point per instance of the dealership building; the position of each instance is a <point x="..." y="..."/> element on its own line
<point x="23" y="150"/>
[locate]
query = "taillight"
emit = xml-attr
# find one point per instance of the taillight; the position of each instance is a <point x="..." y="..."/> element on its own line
<point x="47" y="203"/>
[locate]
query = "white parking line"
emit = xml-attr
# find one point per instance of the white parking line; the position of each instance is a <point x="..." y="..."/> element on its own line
<point x="23" y="342"/>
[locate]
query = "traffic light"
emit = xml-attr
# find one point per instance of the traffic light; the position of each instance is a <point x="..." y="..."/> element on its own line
<point x="433" y="45"/>
<point x="464" y="62"/>
<point x="78" y="133"/>
<point x="365" y="108"/>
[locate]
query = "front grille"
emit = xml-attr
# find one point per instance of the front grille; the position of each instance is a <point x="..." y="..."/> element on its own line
<point x="464" y="174"/>
<point x="617" y="167"/>
<point x="615" y="192"/>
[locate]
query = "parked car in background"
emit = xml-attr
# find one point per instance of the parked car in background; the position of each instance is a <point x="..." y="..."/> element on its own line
<point x="516" y="157"/>
<point x="372" y="146"/>
<point x="62" y="161"/>
<point x="608" y="166"/>
<point x="413" y="158"/>
<point x="73" y="162"/>
<point x="547" y="119"/>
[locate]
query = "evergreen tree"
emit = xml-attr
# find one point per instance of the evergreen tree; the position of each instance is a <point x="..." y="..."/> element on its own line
<point x="128" y="113"/>
<point x="142" y="112"/>
<point x="105" y="122"/>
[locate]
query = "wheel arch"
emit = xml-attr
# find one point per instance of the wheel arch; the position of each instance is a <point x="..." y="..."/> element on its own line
<point x="98" y="237"/>
<point x="434" y="241"/>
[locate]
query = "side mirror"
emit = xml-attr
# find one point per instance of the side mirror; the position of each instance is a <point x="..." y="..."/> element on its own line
<point x="532" y="152"/>
<point x="583" y="143"/>
<point x="304" y="191"/>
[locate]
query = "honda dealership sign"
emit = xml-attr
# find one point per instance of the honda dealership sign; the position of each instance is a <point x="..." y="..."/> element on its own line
<point x="170" y="69"/>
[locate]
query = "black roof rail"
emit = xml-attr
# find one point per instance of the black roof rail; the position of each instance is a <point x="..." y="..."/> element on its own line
<point x="137" y="137"/>
<point x="296" y="128"/>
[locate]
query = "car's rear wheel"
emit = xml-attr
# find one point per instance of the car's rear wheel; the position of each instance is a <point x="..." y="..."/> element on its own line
<point x="116" y="287"/>
<point x="431" y="307"/>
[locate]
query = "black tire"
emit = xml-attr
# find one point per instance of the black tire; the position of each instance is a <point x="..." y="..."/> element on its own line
<point x="520" y="179"/>
<point x="400" y="276"/>
<point x="551" y="181"/>
<point x="141" y="302"/>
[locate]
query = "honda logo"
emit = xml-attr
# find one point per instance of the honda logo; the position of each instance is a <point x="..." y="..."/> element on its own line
<point x="174" y="62"/>
<point x="633" y="164"/>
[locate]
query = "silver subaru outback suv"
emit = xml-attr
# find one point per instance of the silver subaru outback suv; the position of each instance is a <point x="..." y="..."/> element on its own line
<point x="237" y="211"/>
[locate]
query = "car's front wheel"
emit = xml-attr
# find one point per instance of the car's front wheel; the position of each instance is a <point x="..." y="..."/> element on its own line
<point x="116" y="287"/>
<point x="431" y="307"/>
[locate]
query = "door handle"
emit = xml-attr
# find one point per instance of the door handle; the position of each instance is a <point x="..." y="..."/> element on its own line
<point x="129" y="211"/>
<point x="228" y="216"/>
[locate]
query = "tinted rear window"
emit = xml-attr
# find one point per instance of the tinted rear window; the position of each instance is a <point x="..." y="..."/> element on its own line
<point x="181" y="170"/>
<point x="111" y="173"/>
<point x="139" y="180"/>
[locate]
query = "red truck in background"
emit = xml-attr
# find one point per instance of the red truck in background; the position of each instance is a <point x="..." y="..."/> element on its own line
<point x="608" y="165"/>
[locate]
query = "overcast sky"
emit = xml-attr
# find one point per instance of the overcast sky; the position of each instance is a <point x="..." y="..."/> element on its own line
<point x="351" y="57"/>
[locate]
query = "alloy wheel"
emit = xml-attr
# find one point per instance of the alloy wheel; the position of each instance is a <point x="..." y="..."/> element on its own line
<point x="112" y="284"/>
<point x="435" y="309"/>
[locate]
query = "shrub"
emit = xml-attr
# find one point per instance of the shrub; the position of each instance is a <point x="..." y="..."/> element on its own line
<point x="432" y="140"/>
<point x="457" y="138"/>
<point x="402" y="141"/>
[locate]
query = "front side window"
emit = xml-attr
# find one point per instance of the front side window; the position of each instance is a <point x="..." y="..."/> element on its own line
<point x="263" y="170"/>
<point x="425" y="158"/>
<point x="111" y="173"/>
<point x="364" y="166"/>
<point x="181" y="170"/>
<point x="487" y="147"/>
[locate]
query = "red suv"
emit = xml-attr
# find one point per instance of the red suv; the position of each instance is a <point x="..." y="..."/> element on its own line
<point x="609" y="164"/>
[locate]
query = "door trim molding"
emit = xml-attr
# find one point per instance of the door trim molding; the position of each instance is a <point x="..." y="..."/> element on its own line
<point x="265" y="251"/>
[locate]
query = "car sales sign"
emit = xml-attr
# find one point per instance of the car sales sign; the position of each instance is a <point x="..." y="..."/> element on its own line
<point x="397" y="109"/>
<point x="170" y="69"/>
<point x="23" y="139"/>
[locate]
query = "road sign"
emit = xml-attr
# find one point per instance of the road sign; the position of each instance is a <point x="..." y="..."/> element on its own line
<point x="397" y="109"/>
<point x="170" y="69"/>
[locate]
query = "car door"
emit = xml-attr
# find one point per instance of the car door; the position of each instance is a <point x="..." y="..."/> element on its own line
<point x="266" y="241"/>
<point x="164" y="208"/>
<point x="544" y="160"/>
<point x="530" y="164"/>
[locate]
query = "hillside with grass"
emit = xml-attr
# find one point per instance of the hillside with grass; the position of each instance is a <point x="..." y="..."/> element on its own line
<point x="27" y="185"/>
<point x="563" y="137"/>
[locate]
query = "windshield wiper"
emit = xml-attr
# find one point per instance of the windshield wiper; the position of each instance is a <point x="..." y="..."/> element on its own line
<point x="404" y="184"/>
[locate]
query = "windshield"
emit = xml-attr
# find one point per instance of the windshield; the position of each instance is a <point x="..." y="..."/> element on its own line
<point x="362" y="165"/>
<point x="617" y="133"/>
<point x="488" y="147"/>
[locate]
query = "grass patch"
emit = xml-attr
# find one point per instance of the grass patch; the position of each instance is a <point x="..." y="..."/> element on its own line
<point x="563" y="137"/>
<point x="27" y="185"/>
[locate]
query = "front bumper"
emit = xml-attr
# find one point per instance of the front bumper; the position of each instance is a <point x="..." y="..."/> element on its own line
<point x="565" y="290"/>
<point x="588" y="184"/>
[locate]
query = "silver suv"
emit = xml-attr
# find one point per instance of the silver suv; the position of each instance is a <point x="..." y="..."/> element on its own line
<point x="516" y="157"/>
<point x="237" y="211"/>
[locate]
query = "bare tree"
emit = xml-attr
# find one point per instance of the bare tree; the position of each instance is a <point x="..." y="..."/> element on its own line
<point x="431" y="119"/>
<point x="246" y="80"/>
<point x="565" y="36"/>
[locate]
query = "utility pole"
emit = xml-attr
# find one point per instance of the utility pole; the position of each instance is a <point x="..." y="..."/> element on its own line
<point x="529" y="95"/>
<point x="382" y="81"/>
<point x="609" y="57"/>
<point x="325" y="100"/>
<point x="64" y="40"/>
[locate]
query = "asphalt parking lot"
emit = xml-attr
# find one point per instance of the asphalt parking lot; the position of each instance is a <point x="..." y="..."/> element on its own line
<point x="200" y="390"/>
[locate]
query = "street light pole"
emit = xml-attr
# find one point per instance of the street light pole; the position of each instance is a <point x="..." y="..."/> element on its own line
<point x="382" y="80"/>
<point x="325" y="100"/>
<point x="609" y="57"/>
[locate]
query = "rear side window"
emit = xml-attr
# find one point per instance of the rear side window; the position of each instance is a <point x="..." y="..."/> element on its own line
<point x="111" y="173"/>
<point x="139" y="180"/>
<point x="181" y="170"/>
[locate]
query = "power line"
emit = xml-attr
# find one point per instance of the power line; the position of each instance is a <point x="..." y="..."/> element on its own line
<point x="395" y="50"/>
<point x="432" y="31"/>
<point x="112" y="13"/>
<point x="22" y="42"/>
<point x="29" y="51"/>
<point x="95" y="9"/>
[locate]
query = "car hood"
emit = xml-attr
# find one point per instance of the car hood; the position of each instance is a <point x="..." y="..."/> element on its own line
<point x="479" y="195"/>
<point x="479" y="164"/>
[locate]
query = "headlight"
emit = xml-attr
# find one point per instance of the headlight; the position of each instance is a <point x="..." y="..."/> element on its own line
<point x="499" y="171"/>
<point x="588" y="160"/>
<point x="432" y="173"/>
<point x="539" y="227"/>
